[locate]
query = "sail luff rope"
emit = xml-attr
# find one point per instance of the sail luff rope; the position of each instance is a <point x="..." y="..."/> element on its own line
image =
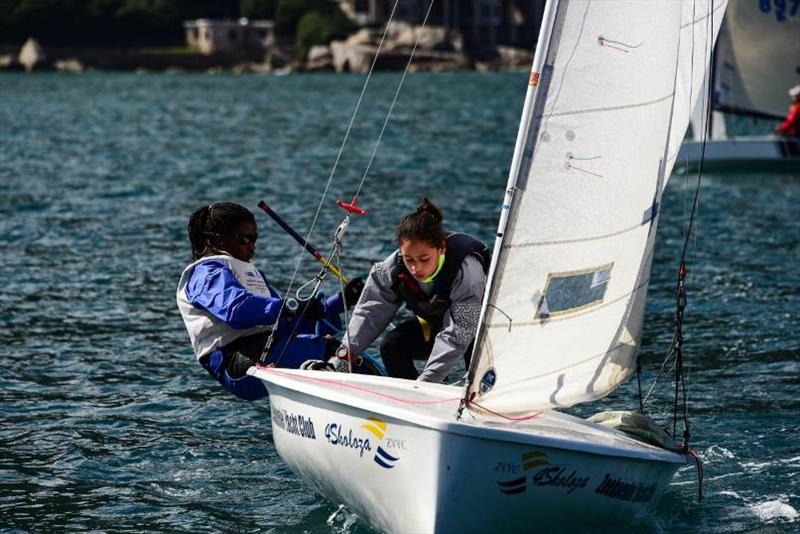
<point x="310" y="232"/>
<point x="548" y="36"/>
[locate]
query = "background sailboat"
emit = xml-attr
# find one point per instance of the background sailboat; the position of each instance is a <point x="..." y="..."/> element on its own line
<point x="609" y="99"/>
<point x="757" y="61"/>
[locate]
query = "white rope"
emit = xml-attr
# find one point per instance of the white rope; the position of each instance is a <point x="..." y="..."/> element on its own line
<point x="335" y="247"/>
<point x="394" y="100"/>
<point x="332" y="173"/>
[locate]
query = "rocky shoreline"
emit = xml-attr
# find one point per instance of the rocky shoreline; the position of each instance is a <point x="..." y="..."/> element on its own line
<point x="437" y="50"/>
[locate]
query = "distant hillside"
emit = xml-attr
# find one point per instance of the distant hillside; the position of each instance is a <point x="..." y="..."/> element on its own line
<point x="116" y="22"/>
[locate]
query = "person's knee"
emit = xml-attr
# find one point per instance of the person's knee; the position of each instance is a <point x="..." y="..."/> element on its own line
<point x="248" y="388"/>
<point x="392" y="345"/>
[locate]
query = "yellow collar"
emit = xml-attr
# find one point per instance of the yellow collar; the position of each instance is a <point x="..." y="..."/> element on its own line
<point x="438" y="268"/>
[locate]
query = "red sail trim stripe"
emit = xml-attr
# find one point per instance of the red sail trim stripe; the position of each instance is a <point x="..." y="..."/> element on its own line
<point x="359" y="388"/>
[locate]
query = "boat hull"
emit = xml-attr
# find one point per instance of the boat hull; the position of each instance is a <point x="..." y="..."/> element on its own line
<point x="742" y="153"/>
<point x="404" y="476"/>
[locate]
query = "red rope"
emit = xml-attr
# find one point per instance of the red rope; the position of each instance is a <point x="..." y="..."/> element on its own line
<point x="699" y="464"/>
<point x="509" y="417"/>
<point x="369" y="391"/>
<point x="571" y="166"/>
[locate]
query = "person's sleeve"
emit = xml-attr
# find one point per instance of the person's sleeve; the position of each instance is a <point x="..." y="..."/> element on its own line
<point x="214" y="288"/>
<point x="334" y="305"/>
<point x="792" y="121"/>
<point x="460" y="321"/>
<point x="375" y="309"/>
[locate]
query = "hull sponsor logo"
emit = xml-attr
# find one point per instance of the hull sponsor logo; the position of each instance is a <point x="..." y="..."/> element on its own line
<point x="616" y="488"/>
<point x="336" y="434"/>
<point x="373" y="438"/>
<point x="535" y="470"/>
<point x="299" y="425"/>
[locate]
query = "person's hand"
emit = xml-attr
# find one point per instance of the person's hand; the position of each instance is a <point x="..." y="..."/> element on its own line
<point x="316" y="365"/>
<point x="311" y="309"/>
<point x="352" y="291"/>
<point x="342" y="361"/>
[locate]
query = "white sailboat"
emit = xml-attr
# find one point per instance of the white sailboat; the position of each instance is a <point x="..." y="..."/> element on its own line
<point x="757" y="61"/>
<point x="610" y="94"/>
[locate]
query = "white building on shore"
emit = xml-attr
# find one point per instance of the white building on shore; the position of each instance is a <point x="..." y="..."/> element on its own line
<point x="220" y="36"/>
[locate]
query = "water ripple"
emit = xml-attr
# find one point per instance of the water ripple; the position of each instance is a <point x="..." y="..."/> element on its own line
<point x="107" y="423"/>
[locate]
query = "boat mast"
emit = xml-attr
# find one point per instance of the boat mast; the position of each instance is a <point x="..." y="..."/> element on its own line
<point x="532" y="112"/>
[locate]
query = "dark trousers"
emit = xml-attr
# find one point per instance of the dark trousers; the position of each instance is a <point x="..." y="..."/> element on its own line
<point x="402" y="346"/>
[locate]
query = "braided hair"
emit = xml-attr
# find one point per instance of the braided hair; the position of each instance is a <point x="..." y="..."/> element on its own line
<point x="425" y="224"/>
<point x="210" y="222"/>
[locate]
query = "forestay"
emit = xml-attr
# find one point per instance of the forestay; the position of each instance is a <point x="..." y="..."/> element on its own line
<point x="758" y="57"/>
<point x="612" y="87"/>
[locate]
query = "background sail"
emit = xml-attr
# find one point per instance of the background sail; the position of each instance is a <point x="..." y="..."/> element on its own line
<point x="758" y="57"/>
<point x="563" y="318"/>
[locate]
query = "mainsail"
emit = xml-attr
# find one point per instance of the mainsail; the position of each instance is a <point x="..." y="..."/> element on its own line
<point x="611" y="91"/>
<point x="758" y="57"/>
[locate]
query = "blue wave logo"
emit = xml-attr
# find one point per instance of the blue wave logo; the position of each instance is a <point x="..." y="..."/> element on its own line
<point x="384" y="459"/>
<point x="512" y="487"/>
<point x="530" y="460"/>
<point x="378" y="428"/>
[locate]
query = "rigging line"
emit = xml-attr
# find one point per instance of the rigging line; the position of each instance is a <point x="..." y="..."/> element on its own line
<point x="704" y="17"/>
<point x="691" y="110"/>
<point x="711" y="61"/>
<point x="658" y="375"/>
<point x="704" y="138"/>
<point x="394" y="100"/>
<point x="680" y="377"/>
<point x="318" y="279"/>
<point x="344" y="308"/>
<point x="363" y="89"/>
<point x="332" y="173"/>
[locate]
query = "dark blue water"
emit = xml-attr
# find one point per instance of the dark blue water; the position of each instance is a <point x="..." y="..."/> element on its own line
<point x="106" y="421"/>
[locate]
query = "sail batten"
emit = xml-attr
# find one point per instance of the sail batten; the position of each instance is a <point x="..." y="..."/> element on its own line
<point x="619" y="107"/>
<point x="564" y="312"/>
<point x="573" y="240"/>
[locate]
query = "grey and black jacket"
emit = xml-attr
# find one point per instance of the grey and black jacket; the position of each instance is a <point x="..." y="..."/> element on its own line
<point x="450" y="304"/>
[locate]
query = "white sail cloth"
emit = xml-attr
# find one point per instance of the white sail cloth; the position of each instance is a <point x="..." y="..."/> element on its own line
<point x="758" y="57"/>
<point x="611" y="96"/>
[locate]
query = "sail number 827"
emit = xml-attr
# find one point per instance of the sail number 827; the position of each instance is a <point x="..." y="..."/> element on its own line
<point x="780" y="8"/>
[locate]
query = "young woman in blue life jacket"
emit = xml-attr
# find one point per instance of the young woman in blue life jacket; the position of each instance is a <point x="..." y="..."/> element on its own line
<point x="229" y="308"/>
<point x="440" y="276"/>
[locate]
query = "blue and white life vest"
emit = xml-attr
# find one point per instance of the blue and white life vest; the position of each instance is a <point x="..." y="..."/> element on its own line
<point x="206" y="332"/>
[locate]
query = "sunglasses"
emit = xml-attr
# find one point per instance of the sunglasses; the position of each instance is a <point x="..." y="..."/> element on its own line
<point x="246" y="239"/>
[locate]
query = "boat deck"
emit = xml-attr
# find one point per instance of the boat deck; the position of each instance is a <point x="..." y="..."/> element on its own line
<point x="436" y="405"/>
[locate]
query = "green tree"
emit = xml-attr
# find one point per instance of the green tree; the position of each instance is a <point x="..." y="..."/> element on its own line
<point x="258" y="9"/>
<point x="289" y="13"/>
<point x="51" y="21"/>
<point x="7" y="30"/>
<point x="107" y="22"/>
<point x="321" y="27"/>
